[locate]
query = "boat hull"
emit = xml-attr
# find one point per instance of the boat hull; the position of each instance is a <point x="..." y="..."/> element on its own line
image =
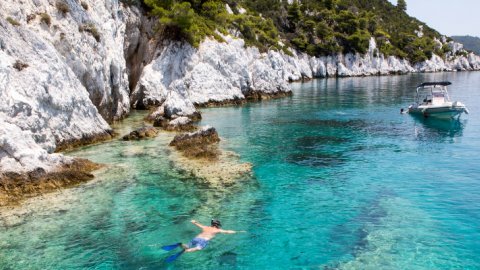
<point x="438" y="112"/>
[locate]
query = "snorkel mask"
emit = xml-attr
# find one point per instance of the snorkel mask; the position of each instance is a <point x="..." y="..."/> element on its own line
<point x="215" y="223"/>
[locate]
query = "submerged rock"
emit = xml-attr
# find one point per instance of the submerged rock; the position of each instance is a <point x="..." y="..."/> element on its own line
<point x="141" y="133"/>
<point x="160" y="122"/>
<point x="228" y="258"/>
<point x="223" y="171"/>
<point x="199" y="155"/>
<point x="199" y="144"/>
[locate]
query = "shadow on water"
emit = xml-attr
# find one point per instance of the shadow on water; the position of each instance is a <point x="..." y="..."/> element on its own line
<point x="316" y="142"/>
<point x="228" y="259"/>
<point x="334" y="142"/>
<point x="318" y="159"/>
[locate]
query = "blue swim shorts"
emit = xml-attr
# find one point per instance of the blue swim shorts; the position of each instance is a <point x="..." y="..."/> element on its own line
<point x="198" y="243"/>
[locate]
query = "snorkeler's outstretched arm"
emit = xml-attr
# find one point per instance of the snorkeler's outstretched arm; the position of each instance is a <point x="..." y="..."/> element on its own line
<point x="194" y="222"/>
<point x="231" y="231"/>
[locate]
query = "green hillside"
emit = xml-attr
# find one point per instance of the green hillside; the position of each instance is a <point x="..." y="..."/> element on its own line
<point x="317" y="27"/>
<point x="470" y="43"/>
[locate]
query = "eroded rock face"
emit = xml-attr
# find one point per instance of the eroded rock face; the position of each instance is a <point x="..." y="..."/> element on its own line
<point x="42" y="106"/>
<point x="85" y="41"/>
<point x="183" y="77"/>
<point x="199" y="144"/>
<point x="15" y="186"/>
<point x="141" y="133"/>
<point x="72" y="82"/>
<point x="140" y="43"/>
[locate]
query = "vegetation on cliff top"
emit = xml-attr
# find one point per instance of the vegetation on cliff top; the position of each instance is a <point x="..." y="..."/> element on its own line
<point x="317" y="27"/>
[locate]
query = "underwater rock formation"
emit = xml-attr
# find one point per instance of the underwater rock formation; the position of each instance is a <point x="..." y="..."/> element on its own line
<point x="141" y="133"/>
<point x="200" y="144"/>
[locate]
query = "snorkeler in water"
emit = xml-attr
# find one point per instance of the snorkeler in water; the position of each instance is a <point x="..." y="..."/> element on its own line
<point x="201" y="240"/>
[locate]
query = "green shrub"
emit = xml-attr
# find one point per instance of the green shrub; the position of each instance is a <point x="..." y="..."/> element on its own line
<point x="300" y="42"/>
<point x="446" y="48"/>
<point x="312" y="49"/>
<point x="316" y="27"/>
<point x="294" y="15"/>
<point x="256" y="31"/>
<point x="90" y="28"/>
<point x="417" y="56"/>
<point x="62" y="7"/>
<point x="346" y="22"/>
<point x="323" y="30"/>
<point x="328" y="47"/>
<point x="45" y="18"/>
<point x="13" y="21"/>
<point x="358" y="42"/>
<point x="179" y="18"/>
<point x="19" y="65"/>
<point x="287" y="51"/>
<point x="214" y="11"/>
<point x="462" y="53"/>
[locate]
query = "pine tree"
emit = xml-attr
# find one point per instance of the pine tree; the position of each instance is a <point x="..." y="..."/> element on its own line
<point x="402" y="5"/>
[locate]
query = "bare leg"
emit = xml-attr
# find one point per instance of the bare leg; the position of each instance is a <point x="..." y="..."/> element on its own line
<point x="192" y="249"/>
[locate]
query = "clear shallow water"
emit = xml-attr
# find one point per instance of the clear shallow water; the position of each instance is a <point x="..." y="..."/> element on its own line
<point x="341" y="180"/>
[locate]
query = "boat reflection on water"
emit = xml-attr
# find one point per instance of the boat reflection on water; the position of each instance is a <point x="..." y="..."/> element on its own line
<point x="438" y="130"/>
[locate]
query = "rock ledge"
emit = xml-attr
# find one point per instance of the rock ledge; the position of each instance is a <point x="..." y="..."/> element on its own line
<point x="199" y="144"/>
<point x="14" y="186"/>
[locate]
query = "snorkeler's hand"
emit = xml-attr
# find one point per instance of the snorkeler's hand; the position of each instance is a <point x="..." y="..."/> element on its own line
<point x="193" y="221"/>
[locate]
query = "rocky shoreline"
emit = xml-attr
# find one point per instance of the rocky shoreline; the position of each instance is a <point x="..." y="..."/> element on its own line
<point x="16" y="187"/>
<point x="85" y="140"/>
<point x="63" y="83"/>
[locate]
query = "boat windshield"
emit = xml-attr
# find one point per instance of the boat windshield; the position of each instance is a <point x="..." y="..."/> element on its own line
<point x="432" y="95"/>
<point x="438" y="97"/>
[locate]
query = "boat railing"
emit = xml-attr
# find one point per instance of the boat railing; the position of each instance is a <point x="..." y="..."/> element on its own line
<point x="431" y="96"/>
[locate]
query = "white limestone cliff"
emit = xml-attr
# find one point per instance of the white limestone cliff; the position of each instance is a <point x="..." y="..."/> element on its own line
<point x="58" y="85"/>
<point x="220" y="72"/>
<point x="213" y="73"/>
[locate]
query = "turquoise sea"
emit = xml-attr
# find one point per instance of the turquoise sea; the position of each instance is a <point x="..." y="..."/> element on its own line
<point x="341" y="180"/>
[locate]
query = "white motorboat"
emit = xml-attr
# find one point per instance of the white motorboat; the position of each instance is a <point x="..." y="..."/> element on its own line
<point x="432" y="100"/>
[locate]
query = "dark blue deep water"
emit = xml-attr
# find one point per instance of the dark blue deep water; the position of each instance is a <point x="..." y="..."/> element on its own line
<point x="341" y="180"/>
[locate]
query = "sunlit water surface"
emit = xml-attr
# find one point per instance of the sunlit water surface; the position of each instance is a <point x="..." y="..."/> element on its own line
<point x="341" y="180"/>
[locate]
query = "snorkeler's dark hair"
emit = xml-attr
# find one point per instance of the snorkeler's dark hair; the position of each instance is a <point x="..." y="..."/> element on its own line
<point x="216" y="223"/>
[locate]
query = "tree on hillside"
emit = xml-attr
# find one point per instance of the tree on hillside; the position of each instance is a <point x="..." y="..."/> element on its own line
<point x="402" y="5"/>
<point x="294" y="15"/>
